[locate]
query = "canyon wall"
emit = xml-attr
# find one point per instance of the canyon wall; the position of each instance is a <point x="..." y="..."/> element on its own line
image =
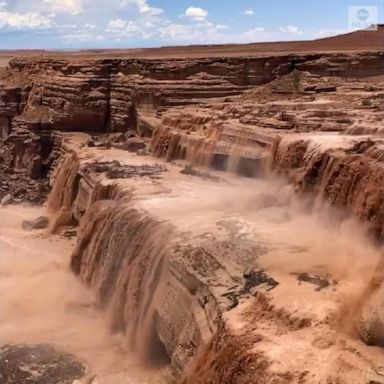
<point x="107" y="95"/>
<point x="167" y="290"/>
<point x="146" y="97"/>
<point x="43" y="96"/>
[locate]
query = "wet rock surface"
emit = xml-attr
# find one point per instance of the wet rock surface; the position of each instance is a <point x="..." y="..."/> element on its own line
<point x="321" y="282"/>
<point x="371" y="321"/>
<point x="256" y="279"/>
<point x="25" y="162"/>
<point x="20" y="188"/>
<point x="116" y="170"/>
<point x="41" y="222"/>
<point x="7" y="199"/>
<point x="38" y="364"/>
<point x="128" y="141"/>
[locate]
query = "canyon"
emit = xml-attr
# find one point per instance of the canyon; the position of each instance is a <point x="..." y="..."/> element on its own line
<point x="216" y="214"/>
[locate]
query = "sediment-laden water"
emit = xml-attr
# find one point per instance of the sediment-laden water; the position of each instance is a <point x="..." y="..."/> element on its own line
<point x="43" y="303"/>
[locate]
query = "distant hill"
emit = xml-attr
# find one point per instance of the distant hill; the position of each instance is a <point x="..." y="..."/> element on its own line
<point x="354" y="41"/>
<point x="359" y="40"/>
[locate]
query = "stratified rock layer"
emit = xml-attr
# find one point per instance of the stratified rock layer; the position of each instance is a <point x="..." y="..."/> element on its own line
<point x="108" y="95"/>
<point x="174" y="287"/>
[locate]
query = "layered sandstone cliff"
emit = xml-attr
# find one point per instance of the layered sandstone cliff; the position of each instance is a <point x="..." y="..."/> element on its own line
<point x="191" y="263"/>
<point x="148" y="96"/>
<point x="107" y="95"/>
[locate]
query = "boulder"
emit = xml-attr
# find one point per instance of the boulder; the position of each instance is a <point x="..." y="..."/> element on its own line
<point x="7" y="199"/>
<point x="41" y="222"/>
<point x="69" y="233"/>
<point x="134" y="144"/>
<point x="371" y="322"/>
<point x="38" y="364"/>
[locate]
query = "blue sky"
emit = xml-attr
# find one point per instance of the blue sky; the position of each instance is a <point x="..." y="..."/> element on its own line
<point x="70" y="24"/>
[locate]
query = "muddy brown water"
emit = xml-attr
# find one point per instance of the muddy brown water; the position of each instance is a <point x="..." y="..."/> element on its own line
<point x="42" y="302"/>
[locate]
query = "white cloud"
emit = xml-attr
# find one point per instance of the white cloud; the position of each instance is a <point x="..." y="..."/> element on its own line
<point x="130" y="22"/>
<point x="208" y="32"/>
<point x="32" y="20"/>
<point x="249" y="12"/>
<point x="81" y="36"/>
<point x="70" y="6"/>
<point x="195" y="13"/>
<point x="291" y="29"/>
<point x="143" y="7"/>
<point x="177" y="32"/>
<point x="328" y="32"/>
<point x="117" y="24"/>
<point x="90" y="26"/>
<point x="255" y="35"/>
<point x="125" y="28"/>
